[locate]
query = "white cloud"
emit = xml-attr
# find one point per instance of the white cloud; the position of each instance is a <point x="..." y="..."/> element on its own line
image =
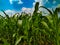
<point x="19" y="1"/>
<point x="10" y="12"/>
<point x="10" y="1"/>
<point x="27" y="10"/>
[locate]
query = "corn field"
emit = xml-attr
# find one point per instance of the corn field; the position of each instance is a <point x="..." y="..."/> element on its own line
<point x="27" y="29"/>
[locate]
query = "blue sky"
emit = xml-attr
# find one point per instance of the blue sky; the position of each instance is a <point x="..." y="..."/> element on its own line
<point x="6" y="4"/>
<point x="23" y="5"/>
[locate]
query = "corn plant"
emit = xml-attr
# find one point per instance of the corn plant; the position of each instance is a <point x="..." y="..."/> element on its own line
<point x="23" y="29"/>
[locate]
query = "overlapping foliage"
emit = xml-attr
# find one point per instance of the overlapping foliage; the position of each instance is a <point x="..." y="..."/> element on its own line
<point x="25" y="29"/>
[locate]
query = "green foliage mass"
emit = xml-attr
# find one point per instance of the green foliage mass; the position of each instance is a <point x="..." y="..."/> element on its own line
<point x="25" y="29"/>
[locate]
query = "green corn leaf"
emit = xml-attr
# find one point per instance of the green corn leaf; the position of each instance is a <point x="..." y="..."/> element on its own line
<point x="18" y="40"/>
<point x="6" y="14"/>
<point x="36" y="7"/>
<point x="5" y="42"/>
<point x="46" y="9"/>
<point x="45" y="24"/>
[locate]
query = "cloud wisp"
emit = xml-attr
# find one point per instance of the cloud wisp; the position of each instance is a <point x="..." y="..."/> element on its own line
<point x="27" y="10"/>
<point x="19" y="1"/>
